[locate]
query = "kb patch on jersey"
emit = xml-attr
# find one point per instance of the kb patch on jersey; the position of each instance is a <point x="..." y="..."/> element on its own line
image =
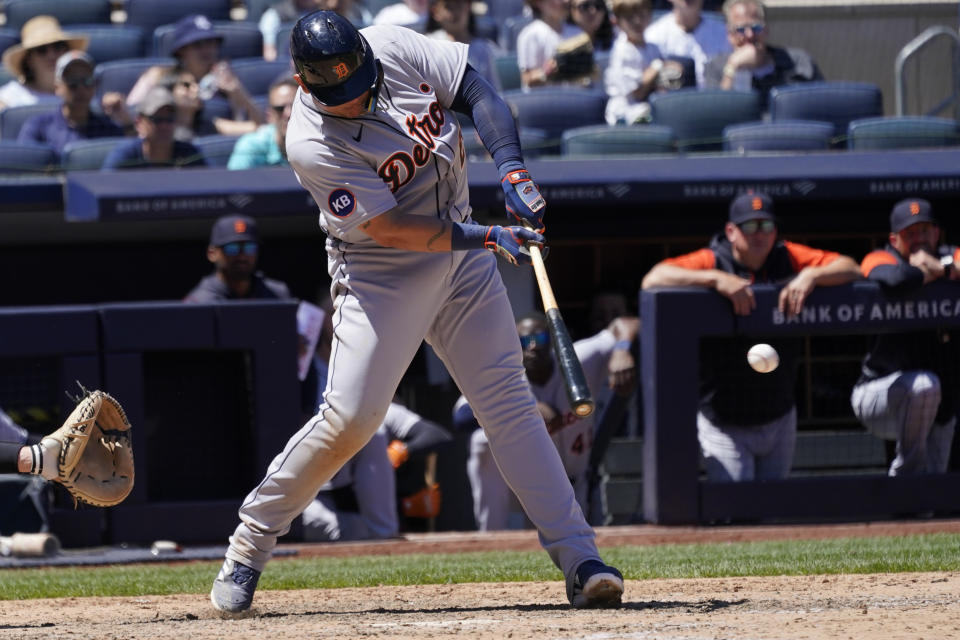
<point x="341" y="202"/>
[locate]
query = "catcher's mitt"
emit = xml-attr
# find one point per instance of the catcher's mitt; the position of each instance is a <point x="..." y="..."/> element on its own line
<point x="95" y="462"/>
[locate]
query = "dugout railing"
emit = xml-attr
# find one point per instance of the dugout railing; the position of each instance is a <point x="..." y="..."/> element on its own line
<point x="675" y="320"/>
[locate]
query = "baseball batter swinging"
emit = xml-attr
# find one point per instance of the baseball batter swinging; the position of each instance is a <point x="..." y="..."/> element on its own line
<point x="374" y="138"/>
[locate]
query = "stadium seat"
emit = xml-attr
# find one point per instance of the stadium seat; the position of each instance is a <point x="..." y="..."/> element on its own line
<point x="501" y="9"/>
<point x="511" y="29"/>
<point x="508" y="73"/>
<point x="606" y="140"/>
<point x="240" y="39"/>
<point x="534" y="143"/>
<point x="8" y="38"/>
<point x="797" y="135"/>
<point x="698" y="116"/>
<point x="555" y="109"/>
<point x="835" y="102"/>
<point x="283" y="40"/>
<point x="257" y="74"/>
<point x="121" y="75"/>
<point x="902" y="132"/>
<point x="216" y="148"/>
<point x="26" y="158"/>
<point x="87" y="154"/>
<point x="67" y="12"/>
<point x="150" y="14"/>
<point x="12" y="118"/>
<point x="109" y="42"/>
<point x="255" y="9"/>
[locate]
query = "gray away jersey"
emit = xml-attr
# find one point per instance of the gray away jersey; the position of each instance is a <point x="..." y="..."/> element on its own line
<point x="408" y="155"/>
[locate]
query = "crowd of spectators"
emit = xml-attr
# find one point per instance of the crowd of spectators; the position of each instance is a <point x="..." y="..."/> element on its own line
<point x="619" y="48"/>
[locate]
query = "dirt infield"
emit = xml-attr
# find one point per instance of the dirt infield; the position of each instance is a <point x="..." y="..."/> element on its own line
<point x="914" y="606"/>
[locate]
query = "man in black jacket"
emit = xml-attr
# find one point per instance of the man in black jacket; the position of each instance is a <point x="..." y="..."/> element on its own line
<point x="754" y="64"/>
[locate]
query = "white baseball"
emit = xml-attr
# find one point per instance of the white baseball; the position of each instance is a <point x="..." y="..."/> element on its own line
<point x="763" y="358"/>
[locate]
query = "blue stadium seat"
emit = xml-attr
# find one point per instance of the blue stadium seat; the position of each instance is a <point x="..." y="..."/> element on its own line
<point x="87" y="154"/>
<point x="216" y="148"/>
<point x="555" y="109"/>
<point x="902" y="132"/>
<point x="150" y="14"/>
<point x="255" y="9"/>
<point x="607" y="140"/>
<point x="698" y="116"/>
<point x="835" y="102"/>
<point x="26" y="158"/>
<point x="8" y="38"/>
<point x="796" y="135"/>
<point x="67" y="12"/>
<point x="534" y="143"/>
<point x="511" y="29"/>
<point x="257" y="74"/>
<point x="508" y="73"/>
<point x="240" y="39"/>
<point x="121" y="75"/>
<point x="110" y="42"/>
<point x="283" y="40"/>
<point x="487" y="27"/>
<point x="12" y="118"/>
<point x="501" y="9"/>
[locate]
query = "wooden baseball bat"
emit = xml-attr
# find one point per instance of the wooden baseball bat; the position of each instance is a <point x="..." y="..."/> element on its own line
<point x="576" y="383"/>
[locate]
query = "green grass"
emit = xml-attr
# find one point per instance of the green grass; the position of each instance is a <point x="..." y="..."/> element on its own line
<point x="934" y="552"/>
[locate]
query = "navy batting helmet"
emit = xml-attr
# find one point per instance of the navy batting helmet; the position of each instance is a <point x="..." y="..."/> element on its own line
<point x="333" y="58"/>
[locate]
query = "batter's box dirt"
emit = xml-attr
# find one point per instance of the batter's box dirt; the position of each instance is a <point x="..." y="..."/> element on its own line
<point x="894" y="606"/>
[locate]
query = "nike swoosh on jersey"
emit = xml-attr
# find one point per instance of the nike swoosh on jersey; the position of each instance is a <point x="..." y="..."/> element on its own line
<point x="359" y="133"/>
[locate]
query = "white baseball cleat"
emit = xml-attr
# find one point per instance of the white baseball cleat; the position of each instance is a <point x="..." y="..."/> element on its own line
<point x="233" y="589"/>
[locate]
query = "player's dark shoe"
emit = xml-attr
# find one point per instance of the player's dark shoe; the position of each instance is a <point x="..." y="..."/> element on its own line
<point x="233" y="589"/>
<point x="595" y="585"/>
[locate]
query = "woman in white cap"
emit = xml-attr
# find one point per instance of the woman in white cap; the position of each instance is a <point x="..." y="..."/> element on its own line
<point x="33" y="62"/>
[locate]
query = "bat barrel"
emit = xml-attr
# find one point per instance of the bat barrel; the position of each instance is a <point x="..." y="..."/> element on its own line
<point x="578" y="392"/>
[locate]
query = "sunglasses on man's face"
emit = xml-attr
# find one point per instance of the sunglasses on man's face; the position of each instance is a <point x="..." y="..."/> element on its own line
<point x="56" y="47"/>
<point x="757" y="28"/>
<point x="534" y="340"/>
<point x="278" y="108"/>
<point x="76" y="83"/>
<point x="162" y="119"/>
<point x="750" y="227"/>
<point x="232" y="249"/>
<point x="586" y="7"/>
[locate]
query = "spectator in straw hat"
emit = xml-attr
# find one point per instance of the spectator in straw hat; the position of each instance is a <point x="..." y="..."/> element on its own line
<point x="33" y="62"/>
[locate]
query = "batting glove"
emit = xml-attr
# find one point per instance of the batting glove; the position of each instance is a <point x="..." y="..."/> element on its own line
<point x="511" y="243"/>
<point x="525" y="205"/>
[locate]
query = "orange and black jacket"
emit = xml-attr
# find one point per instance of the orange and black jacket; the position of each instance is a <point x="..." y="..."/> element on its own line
<point x="731" y="393"/>
<point x="935" y="350"/>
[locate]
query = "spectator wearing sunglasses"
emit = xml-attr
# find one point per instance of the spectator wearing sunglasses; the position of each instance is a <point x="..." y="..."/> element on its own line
<point x="266" y="147"/>
<point x="233" y="250"/>
<point x="610" y="368"/>
<point x="196" y="48"/>
<point x="754" y="64"/>
<point x="686" y="32"/>
<point x="73" y="120"/>
<point x="593" y="17"/>
<point x="154" y="146"/>
<point x="741" y="439"/>
<point x="33" y="62"/>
